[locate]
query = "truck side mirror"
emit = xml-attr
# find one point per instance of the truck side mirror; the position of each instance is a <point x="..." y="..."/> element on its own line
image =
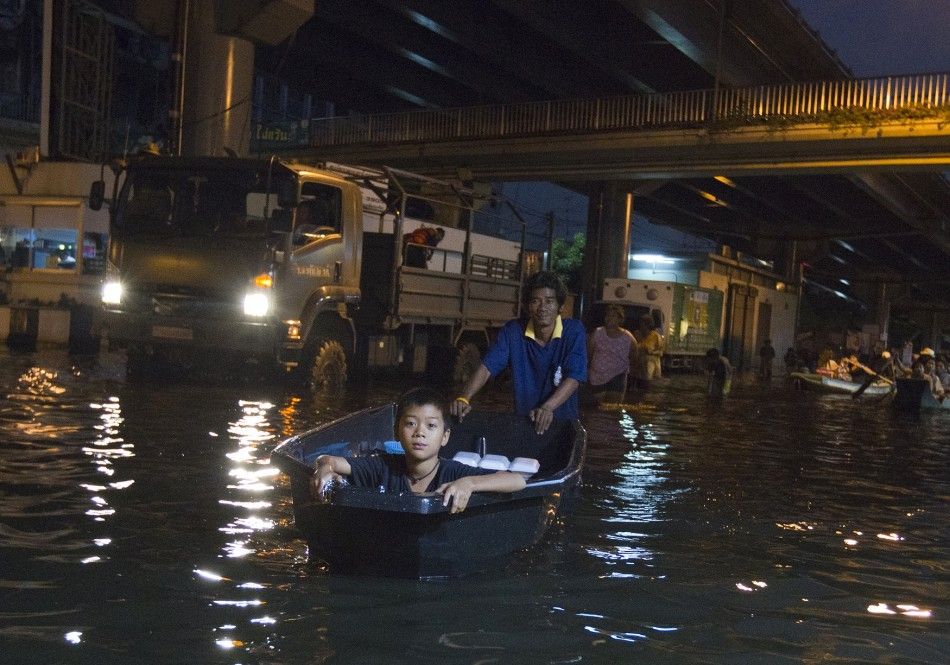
<point x="282" y="221"/>
<point x="288" y="194"/>
<point x="97" y="194"/>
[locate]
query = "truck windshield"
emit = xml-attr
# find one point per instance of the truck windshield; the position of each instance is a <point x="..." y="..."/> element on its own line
<point x="210" y="203"/>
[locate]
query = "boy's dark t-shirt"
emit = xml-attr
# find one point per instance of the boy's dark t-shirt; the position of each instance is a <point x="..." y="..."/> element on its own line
<point x="387" y="472"/>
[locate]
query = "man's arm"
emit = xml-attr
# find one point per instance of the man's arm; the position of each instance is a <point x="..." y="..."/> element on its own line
<point x="544" y="414"/>
<point x="461" y="405"/>
<point x="575" y="370"/>
<point x="494" y="361"/>
<point x="459" y="491"/>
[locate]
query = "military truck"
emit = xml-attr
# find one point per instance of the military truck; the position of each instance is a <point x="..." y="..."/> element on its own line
<point x="688" y="317"/>
<point x="299" y="267"/>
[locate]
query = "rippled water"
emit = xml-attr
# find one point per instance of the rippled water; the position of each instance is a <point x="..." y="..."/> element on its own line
<point x="142" y="523"/>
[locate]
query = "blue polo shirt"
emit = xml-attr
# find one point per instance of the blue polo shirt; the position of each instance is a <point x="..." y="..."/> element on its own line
<point x="538" y="370"/>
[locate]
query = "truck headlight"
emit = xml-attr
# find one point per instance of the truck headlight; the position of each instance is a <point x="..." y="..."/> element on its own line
<point x="256" y="303"/>
<point x="112" y="292"/>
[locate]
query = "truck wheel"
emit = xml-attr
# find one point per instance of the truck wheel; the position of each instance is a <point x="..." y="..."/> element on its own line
<point x="467" y="361"/>
<point x="324" y="361"/>
<point x="329" y="367"/>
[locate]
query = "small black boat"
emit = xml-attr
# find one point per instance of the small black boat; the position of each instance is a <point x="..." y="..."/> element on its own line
<point x="414" y="535"/>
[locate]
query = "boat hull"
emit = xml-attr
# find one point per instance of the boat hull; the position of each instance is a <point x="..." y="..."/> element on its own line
<point x="358" y="530"/>
<point x="824" y="384"/>
<point x="419" y="545"/>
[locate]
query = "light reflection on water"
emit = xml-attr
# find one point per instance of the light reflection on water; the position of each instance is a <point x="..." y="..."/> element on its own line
<point x="144" y="523"/>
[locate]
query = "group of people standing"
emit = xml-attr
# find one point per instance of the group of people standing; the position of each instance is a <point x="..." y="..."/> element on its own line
<point x="614" y="353"/>
<point x="933" y="369"/>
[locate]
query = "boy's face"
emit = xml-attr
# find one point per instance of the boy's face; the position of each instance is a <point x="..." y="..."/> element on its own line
<point x="421" y="430"/>
<point x="543" y="307"/>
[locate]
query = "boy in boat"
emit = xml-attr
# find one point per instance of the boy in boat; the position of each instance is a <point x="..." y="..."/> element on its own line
<point x="422" y="426"/>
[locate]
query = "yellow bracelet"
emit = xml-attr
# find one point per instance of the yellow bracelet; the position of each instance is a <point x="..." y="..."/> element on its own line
<point x="463" y="400"/>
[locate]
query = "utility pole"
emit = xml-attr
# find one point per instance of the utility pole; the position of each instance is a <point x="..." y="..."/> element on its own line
<point x="550" y="219"/>
<point x="179" y="60"/>
<point x="717" y="82"/>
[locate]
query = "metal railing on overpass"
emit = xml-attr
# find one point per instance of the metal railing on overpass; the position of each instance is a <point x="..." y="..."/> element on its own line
<point x="901" y="98"/>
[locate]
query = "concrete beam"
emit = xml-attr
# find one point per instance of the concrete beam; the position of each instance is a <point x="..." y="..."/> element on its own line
<point x="263" y="21"/>
<point x="365" y="66"/>
<point x="763" y="41"/>
<point x="904" y="201"/>
<point x="570" y="25"/>
<point x="502" y="44"/>
<point x="415" y="46"/>
<point x="805" y="149"/>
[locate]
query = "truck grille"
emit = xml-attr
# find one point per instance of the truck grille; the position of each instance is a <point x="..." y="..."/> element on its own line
<point x="189" y="306"/>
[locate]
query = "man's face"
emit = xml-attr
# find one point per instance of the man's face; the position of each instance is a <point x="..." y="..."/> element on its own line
<point x="543" y="307"/>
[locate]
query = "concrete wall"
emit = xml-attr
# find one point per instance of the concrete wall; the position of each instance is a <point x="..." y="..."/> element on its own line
<point x="709" y="280"/>
<point x="54" y="195"/>
<point x="784" y="305"/>
<point x="782" y="326"/>
<point x="49" y="178"/>
<point x="47" y="286"/>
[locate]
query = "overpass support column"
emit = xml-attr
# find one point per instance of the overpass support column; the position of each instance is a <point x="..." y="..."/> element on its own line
<point x="879" y="310"/>
<point x="607" y="253"/>
<point x="936" y="330"/>
<point x="218" y="79"/>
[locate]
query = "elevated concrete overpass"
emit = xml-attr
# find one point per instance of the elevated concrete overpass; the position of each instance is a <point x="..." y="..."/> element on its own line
<point x="891" y="123"/>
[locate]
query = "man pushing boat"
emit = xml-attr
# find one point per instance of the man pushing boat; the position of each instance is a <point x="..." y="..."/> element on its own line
<point x="547" y="356"/>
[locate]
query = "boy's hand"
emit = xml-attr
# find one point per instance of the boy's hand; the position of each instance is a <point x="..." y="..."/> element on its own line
<point x="321" y="480"/>
<point x="458" y="492"/>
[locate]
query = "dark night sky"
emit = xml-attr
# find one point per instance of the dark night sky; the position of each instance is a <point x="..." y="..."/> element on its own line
<point x="878" y="37"/>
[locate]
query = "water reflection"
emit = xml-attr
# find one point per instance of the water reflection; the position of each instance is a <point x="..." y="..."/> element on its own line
<point x="144" y="523"/>
<point x="249" y="474"/>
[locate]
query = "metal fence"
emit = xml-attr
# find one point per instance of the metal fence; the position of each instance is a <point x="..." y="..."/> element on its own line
<point x="793" y="102"/>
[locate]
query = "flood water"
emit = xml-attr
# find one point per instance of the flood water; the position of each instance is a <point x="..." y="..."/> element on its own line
<point x="142" y="523"/>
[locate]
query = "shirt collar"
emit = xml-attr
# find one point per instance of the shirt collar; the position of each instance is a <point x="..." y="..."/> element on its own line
<point x="558" y="329"/>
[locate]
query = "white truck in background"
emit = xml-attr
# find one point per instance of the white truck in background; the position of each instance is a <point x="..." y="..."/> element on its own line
<point x="688" y="317"/>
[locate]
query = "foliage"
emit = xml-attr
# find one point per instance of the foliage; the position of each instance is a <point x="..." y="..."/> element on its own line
<point x="567" y="259"/>
<point x="843" y="118"/>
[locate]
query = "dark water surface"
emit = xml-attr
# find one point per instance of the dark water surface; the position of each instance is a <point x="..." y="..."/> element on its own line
<point x="142" y="523"/>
